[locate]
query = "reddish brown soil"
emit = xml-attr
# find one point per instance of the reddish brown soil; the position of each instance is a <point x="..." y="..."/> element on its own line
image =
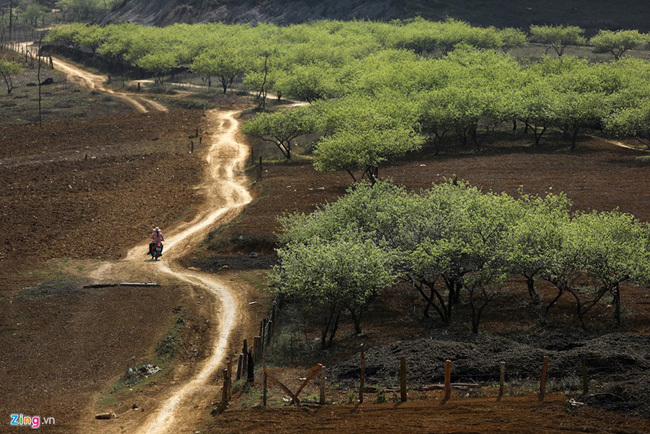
<point x="597" y="176"/>
<point x="467" y="415"/>
<point x="64" y="344"/>
<point x="89" y="189"/>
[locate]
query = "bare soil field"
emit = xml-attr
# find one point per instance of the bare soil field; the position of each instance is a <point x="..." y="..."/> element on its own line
<point x="77" y="190"/>
<point x="466" y="415"/>
<point x="61" y="99"/>
<point x="84" y="189"/>
<point x="88" y="188"/>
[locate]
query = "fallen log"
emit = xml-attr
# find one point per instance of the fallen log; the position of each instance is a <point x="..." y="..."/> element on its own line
<point x="463" y="386"/>
<point x="139" y="284"/>
<point x="102" y="285"/>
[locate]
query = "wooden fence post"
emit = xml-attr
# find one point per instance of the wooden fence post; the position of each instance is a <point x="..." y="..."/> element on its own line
<point x="542" y="383"/>
<point x="224" y="391"/>
<point x="502" y="377"/>
<point x="264" y="388"/>
<point x="269" y="332"/>
<point x="245" y="361"/>
<point x="402" y="382"/>
<point x="240" y="359"/>
<point x="585" y="379"/>
<point x="251" y="367"/>
<point x="447" y="380"/>
<point x="263" y="325"/>
<point x="322" y="386"/>
<point x="363" y="375"/>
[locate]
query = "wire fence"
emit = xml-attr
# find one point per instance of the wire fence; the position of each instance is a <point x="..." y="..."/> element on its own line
<point x="250" y="367"/>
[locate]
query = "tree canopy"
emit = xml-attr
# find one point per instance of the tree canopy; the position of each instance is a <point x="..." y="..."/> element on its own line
<point x="455" y="244"/>
<point x="8" y="69"/>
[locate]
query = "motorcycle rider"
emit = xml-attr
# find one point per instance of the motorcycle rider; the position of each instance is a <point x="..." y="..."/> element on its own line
<point x="156" y="237"/>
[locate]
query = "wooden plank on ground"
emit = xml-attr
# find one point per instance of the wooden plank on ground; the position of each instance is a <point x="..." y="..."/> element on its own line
<point x="309" y="377"/>
<point x="283" y="387"/>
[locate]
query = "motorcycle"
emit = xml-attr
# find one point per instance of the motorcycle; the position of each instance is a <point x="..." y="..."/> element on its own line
<point x="156" y="251"/>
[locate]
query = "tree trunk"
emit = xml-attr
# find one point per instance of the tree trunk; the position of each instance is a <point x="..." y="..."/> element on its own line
<point x="617" y="304"/>
<point x="334" y="329"/>
<point x="328" y="324"/>
<point x="534" y="296"/>
<point x="478" y="311"/>
<point x="538" y="136"/>
<point x="560" y="291"/>
<point x="574" y="138"/>
<point x="356" y="320"/>
<point x="428" y="299"/>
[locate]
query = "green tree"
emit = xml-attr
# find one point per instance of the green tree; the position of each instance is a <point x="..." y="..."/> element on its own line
<point x="282" y="127"/>
<point x="90" y="36"/>
<point x="512" y="38"/>
<point x="227" y="63"/>
<point x="617" y="42"/>
<point x="159" y="64"/>
<point x="33" y="13"/>
<point x="85" y="10"/>
<point x="308" y="82"/>
<point x="7" y="70"/>
<point x="615" y="249"/>
<point x="538" y="106"/>
<point x="66" y="35"/>
<point x="557" y="37"/>
<point x="630" y="121"/>
<point x="364" y="145"/>
<point x="581" y="95"/>
<point x="533" y="235"/>
<point x="579" y="110"/>
<point x="329" y="277"/>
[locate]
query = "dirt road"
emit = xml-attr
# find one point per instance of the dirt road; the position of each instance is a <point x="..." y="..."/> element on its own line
<point x="226" y="193"/>
<point x="225" y="189"/>
<point x="96" y="82"/>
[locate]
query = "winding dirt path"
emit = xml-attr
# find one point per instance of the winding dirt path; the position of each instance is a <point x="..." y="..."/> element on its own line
<point x="96" y="82"/>
<point x="226" y="194"/>
<point x="225" y="188"/>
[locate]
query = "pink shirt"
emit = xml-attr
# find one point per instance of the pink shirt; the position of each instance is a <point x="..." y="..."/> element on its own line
<point x="157" y="237"/>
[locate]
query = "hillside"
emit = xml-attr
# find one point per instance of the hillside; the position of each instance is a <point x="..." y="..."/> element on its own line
<point x="589" y="14"/>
